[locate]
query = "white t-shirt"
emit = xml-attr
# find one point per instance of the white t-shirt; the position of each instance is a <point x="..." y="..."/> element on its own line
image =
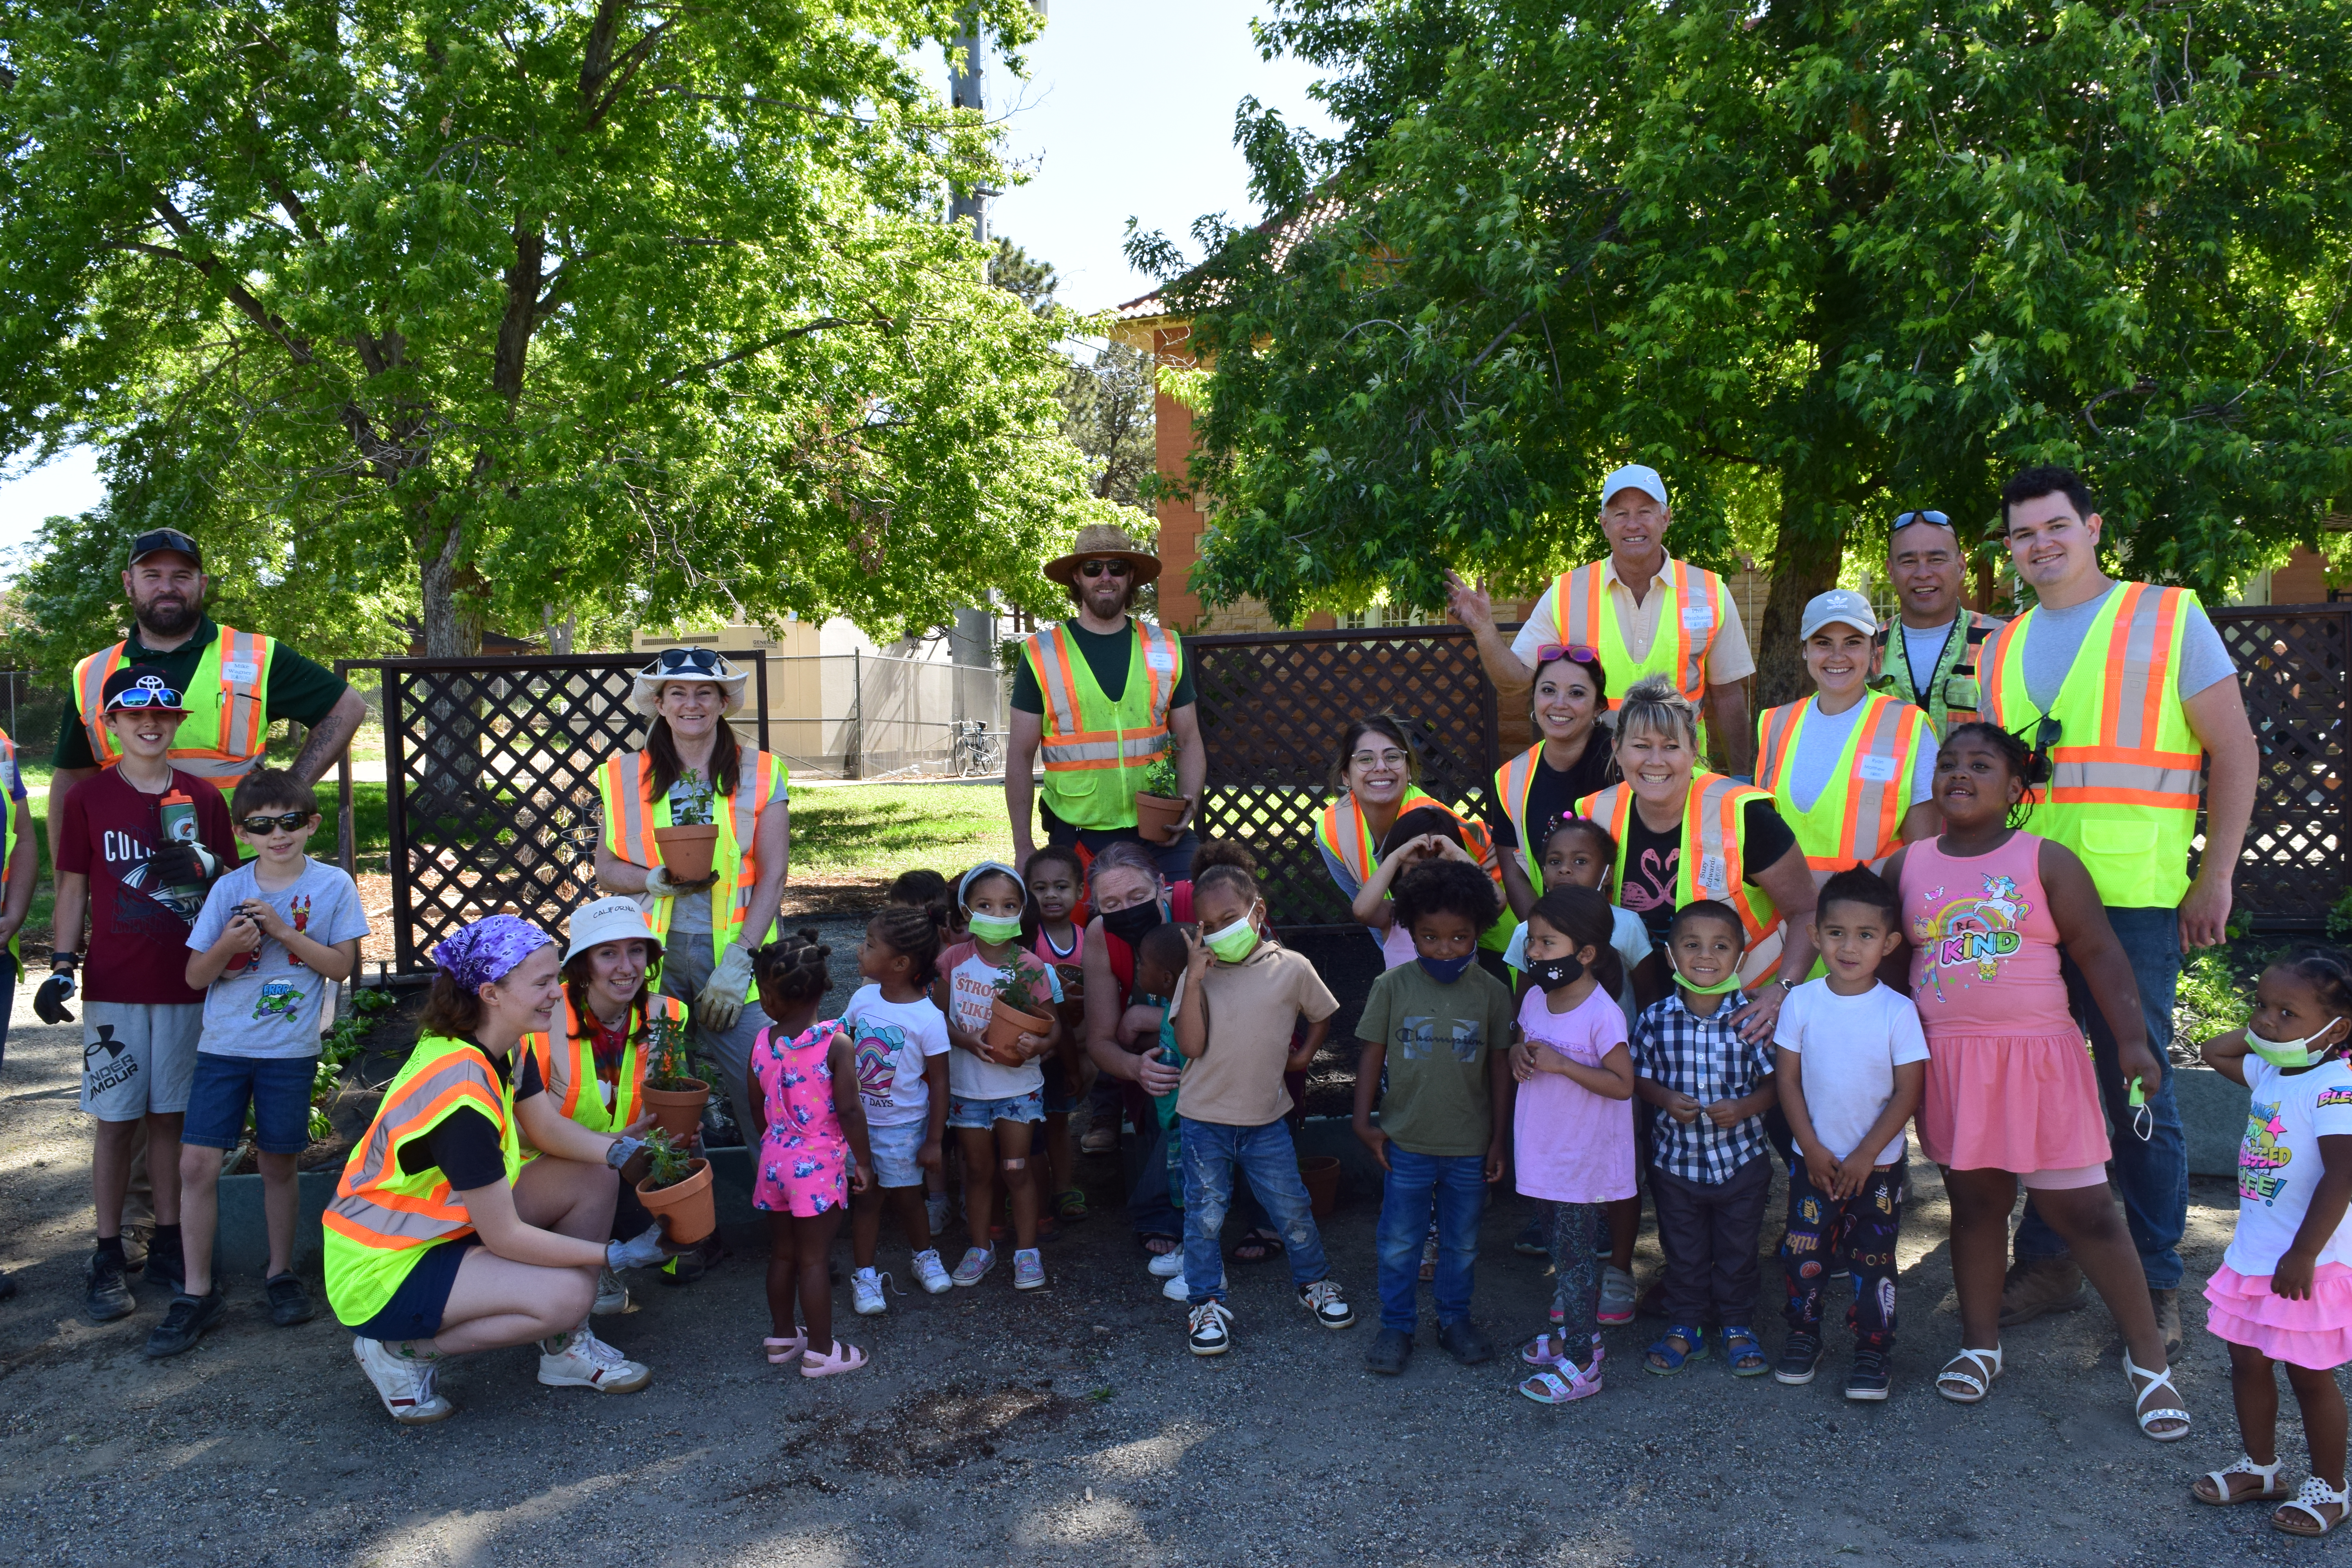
<point x="1627" y="937"/>
<point x="2278" y="1161"/>
<point x="971" y="991"/>
<point x="1822" y="742"/>
<point x="890" y="1040"/>
<point x="1852" y="1045"/>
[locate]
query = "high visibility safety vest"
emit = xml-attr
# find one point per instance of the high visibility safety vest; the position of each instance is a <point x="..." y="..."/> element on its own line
<point x="1514" y="782"/>
<point x="1715" y="824"/>
<point x="227" y="726"/>
<point x="2124" y="781"/>
<point x="1858" y="814"/>
<point x="630" y="820"/>
<point x="1954" y="692"/>
<point x="567" y="1066"/>
<point x="1095" y="750"/>
<point x="381" y="1218"/>
<point x="1695" y="605"/>
<point x="1342" y="830"/>
<point x="8" y="836"/>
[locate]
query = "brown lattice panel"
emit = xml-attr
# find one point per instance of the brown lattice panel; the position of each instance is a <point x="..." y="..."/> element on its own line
<point x="2292" y="659"/>
<point x="1272" y="707"/>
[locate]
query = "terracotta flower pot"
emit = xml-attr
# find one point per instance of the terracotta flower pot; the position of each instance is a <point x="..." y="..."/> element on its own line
<point x="1321" y="1175"/>
<point x="692" y="1214"/>
<point x="686" y="852"/>
<point x="678" y="1111"/>
<point x="1006" y="1024"/>
<point x="1156" y="817"/>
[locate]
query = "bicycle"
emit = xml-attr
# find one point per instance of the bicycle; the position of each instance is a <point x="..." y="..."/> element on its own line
<point x="979" y="751"/>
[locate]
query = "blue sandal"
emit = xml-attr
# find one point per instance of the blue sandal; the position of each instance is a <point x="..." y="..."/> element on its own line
<point x="1665" y="1361"/>
<point x="1747" y="1362"/>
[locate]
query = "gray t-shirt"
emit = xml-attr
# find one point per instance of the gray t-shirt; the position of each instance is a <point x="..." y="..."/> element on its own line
<point x="1924" y="647"/>
<point x="2054" y="637"/>
<point x="1822" y="740"/>
<point x="266" y="1003"/>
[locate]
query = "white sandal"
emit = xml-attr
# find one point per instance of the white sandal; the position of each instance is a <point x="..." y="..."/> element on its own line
<point x="1976" y="1384"/>
<point x="2315" y="1495"/>
<point x="2156" y="1380"/>
<point x="2269" y="1492"/>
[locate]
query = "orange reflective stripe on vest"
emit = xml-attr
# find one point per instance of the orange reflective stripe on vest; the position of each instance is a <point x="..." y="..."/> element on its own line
<point x="1713" y="821"/>
<point x="1584" y="617"/>
<point x="1343" y="831"/>
<point x="227" y="726"/>
<point x="1871" y="798"/>
<point x="1070" y="740"/>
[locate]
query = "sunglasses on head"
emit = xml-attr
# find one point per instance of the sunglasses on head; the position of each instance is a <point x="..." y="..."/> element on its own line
<point x="1575" y="653"/>
<point x="1103" y="569"/>
<point x="1906" y="519"/>
<point x="263" y="826"/>
<point x="144" y="697"/>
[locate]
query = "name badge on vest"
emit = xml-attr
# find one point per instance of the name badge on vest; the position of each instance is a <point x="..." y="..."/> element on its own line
<point x="240" y="669"/>
<point x="1712" y="879"/>
<point x="1160" y="658"/>
<point x="1697" y="617"/>
<point x="1877" y="770"/>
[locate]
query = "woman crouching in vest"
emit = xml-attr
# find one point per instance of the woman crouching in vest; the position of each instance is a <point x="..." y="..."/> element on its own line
<point x="440" y="1240"/>
<point x="615" y="1028"/>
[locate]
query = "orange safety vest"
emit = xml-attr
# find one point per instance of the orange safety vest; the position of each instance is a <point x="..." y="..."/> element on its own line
<point x="570" y="1074"/>
<point x="1093" y="748"/>
<point x="1714" y="823"/>
<point x="1342" y="830"/>
<point x="630" y="820"/>
<point x="227" y="726"/>
<point x="1695" y="605"/>
<point x="1860" y="816"/>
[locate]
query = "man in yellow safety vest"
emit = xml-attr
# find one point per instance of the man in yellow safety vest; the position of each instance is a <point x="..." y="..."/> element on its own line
<point x="1643" y="613"/>
<point x="2126" y="688"/>
<point x="1101" y="697"/>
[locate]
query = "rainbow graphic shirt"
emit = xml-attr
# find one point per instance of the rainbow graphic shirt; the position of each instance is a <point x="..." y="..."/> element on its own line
<point x="2264" y="1156"/>
<point x="1970" y="936"/>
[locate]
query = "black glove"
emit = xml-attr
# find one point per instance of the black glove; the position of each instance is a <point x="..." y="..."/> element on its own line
<point x="183" y="864"/>
<point x="49" y="1001"/>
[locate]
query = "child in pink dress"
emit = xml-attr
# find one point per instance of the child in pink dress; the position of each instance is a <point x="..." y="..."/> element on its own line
<point x="813" y="1150"/>
<point x="2010" y="1095"/>
<point x="2283" y="1292"/>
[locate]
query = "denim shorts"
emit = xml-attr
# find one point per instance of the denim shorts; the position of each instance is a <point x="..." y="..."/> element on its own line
<point x="1056" y="1090"/>
<point x="894" y="1148"/>
<point x="984" y="1113"/>
<point x="278" y="1087"/>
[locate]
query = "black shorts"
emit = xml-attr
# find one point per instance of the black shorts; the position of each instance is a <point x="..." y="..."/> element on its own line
<point x="414" y="1311"/>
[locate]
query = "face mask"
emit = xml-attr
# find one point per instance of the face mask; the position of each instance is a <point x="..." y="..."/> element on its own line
<point x="1554" y="974"/>
<point x="1234" y="942"/>
<point x="2289" y="1053"/>
<point x="1728" y="982"/>
<point x="1446" y="971"/>
<point x="992" y="929"/>
<point x="1135" y="922"/>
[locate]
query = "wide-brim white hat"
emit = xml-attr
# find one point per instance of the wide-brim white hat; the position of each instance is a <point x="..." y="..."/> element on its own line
<point x="687" y="664"/>
<point x="615" y="919"/>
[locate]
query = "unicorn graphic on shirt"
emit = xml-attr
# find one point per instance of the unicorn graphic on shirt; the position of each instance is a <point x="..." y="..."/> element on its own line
<point x="1975" y="932"/>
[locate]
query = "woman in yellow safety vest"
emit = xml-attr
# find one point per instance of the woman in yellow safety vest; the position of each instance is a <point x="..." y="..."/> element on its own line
<point x="1685" y="834"/>
<point x="615" y="1027"/>
<point x="1854" y="770"/>
<point x="1376" y="774"/>
<point x="439" y="1240"/>
<point x="1572" y="759"/>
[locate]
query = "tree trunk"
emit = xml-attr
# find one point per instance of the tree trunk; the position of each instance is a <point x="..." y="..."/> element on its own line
<point x="451" y="599"/>
<point x="1804" y="563"/>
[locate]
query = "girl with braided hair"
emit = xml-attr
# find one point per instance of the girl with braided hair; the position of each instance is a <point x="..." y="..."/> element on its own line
<point x="899" y="1037"/>
<point x="813" y="1150"/>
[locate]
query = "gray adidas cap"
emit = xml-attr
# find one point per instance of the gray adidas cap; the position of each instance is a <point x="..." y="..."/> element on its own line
<point x="1839" y="606"/>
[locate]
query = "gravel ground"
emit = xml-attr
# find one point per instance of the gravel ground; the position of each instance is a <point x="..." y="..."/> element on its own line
<point x="1067" y="1426"/>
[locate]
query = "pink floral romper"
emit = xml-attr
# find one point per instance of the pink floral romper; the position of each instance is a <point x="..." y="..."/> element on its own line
<point x="804" y="1160"/>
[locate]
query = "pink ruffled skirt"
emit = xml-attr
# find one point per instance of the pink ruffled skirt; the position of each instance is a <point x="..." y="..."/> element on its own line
<point x="2011" y="1102"/>
<point x="2315" y="1333"/>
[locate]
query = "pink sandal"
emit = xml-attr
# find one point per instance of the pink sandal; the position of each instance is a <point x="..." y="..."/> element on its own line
<point x="1563" y="1384"/>
<point x="782" y="1351"/>
<point x="845" y="1358"/>
<point x="1545" y="1350"/>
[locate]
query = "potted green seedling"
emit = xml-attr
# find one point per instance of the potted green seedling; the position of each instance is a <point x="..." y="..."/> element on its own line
<point x="679" y="1185"/>
<point x="673" y="1095"/>
<point x="1159" y="803"/>
<point x="1018" y="1010"/>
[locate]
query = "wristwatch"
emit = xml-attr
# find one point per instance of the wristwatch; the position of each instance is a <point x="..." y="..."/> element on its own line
<point x="1786" y="985"/>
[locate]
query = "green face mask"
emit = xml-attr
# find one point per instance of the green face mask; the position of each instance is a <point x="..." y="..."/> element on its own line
<point x="1234" y="942"/>
<point x="1728" y="982"/>
<point x="994" y="929"/>
<point x="2289" y="1053"/>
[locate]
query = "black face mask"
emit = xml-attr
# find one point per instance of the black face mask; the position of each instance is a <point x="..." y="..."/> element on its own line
<point x="1136" y="921"/>
<point x="1553" y="974"/>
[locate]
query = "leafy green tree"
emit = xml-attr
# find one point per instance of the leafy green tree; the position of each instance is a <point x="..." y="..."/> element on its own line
<point x="1817" y="261"/>
<point x="471" y="308"/>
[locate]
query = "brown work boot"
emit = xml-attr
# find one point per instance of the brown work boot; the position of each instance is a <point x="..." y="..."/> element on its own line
<point x="2168" y="1316"/>
<point x="2041" y="1285"/>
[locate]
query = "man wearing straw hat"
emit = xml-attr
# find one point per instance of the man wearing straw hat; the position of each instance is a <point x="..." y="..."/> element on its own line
<point x="1100" y="696"/>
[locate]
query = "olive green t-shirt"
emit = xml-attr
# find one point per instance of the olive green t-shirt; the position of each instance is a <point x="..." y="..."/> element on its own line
<point x="1437" y="1038"/>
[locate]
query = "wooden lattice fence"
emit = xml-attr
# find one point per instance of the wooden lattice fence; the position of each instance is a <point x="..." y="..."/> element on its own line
<point x="2292" y="660"/>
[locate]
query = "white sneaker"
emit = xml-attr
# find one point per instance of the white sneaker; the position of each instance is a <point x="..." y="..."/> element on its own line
<point x="1330" y="1309"/>
<point x="865" y="1288"/>
<point x="612" y="1296"/>
<point x="1176" y="1290"/>
<point x="935" y="1205"/>
<point x="403" y="1382"/>
<point x="931" y="1273"/>
<point x="1168" y="1264"/>
<point x="581" y="1360"/>
<point x="1211" y="1328"/>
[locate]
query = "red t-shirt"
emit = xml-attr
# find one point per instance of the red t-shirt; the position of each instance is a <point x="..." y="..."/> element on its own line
<point x="138" y="929"/>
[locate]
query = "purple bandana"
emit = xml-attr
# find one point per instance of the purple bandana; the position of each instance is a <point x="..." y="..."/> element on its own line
<point x="486" y="952"/>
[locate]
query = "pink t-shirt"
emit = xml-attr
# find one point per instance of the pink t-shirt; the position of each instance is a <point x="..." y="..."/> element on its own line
<point x="1572" y="1146"/>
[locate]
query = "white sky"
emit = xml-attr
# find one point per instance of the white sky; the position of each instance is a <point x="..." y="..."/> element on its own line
<point x="1129" y="110"/>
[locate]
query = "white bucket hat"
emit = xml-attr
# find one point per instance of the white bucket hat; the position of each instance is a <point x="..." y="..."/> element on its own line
<point x="616" y="918"/>
<point x="687" y="664"/>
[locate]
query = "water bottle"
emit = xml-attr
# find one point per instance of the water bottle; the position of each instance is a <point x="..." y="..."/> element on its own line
<point x="177" y="815"/>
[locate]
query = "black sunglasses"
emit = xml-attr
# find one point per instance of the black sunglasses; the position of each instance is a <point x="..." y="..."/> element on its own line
<point x="1101" y="568"/>
<point x="292" y="822"/>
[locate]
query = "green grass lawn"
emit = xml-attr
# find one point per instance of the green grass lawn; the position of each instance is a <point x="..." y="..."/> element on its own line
<point x="876" y="831"/>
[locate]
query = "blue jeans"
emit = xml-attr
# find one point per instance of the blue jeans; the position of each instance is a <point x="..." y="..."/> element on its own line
<point x="2152" y="1177"/>
<point x="1152" y="1206"/>
<point x="1456" y="1185"/>
<point x="1267" y="1157"/>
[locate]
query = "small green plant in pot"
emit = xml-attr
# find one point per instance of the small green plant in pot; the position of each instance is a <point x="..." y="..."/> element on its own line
<point x="1023" y="1007"/>
<point x="673" y="1093"/>
<point x="1159" y="803"/>
<point x="678" y="1185"/>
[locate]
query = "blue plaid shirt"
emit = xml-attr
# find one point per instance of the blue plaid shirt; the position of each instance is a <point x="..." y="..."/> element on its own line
<point x="1707" y="1059"/>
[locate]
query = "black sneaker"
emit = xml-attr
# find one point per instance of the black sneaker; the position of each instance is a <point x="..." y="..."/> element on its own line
<point x="288" y="1303"/>
<point x="109" y="1292"/>
<point x="185" y="1323"/>
<point x="1868" y="1379"/>
<point x="1799" y="1356"/>
<point x="1534" y="1240"/>
<point x="1465" y="1343"/>
<point x="1390" y="1352"/>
